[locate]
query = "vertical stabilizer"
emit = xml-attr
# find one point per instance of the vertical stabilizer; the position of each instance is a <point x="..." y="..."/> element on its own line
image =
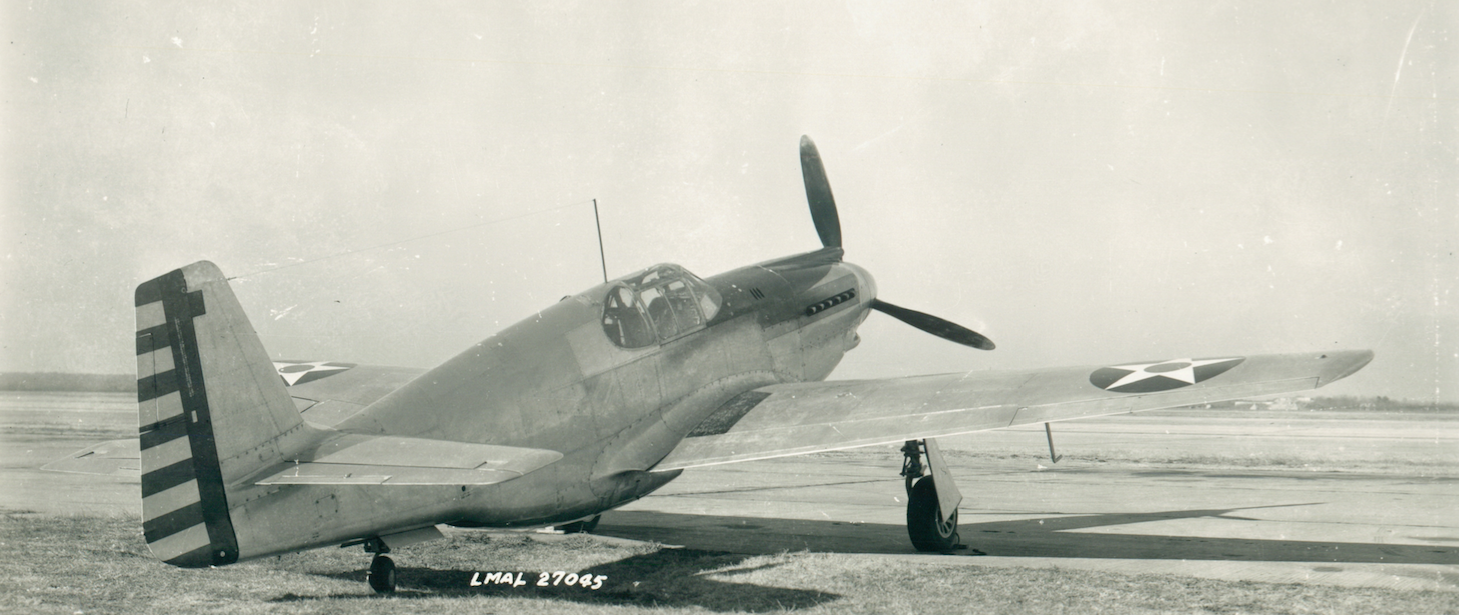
<point x="212" y="410"/>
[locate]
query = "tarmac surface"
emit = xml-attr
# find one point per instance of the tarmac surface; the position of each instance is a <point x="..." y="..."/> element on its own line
<point x="1333" y="498"/>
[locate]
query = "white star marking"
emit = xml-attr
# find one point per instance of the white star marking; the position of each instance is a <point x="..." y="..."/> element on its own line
<point x="1185" y="374"/>
<point x="292" y="376"/>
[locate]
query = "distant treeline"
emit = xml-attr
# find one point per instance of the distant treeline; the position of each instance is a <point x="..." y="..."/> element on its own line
<point x="55" y="381"/>
<point x="1339" y="403"/>
<point x="1351" y="402"/>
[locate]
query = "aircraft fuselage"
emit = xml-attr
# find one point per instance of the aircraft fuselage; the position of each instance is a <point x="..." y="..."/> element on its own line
<point x="559" y="380"/>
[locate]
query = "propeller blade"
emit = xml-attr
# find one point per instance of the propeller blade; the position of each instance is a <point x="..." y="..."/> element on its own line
<point x="947" y="330"/>
<point x="818" y="194"/>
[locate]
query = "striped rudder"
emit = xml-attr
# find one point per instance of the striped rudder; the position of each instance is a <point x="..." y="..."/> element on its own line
<point x="211" y="408"/>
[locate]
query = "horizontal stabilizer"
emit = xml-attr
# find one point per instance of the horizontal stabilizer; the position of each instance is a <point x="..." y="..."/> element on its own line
<point x="113" y="457"/>
<point x="393" y="460"/>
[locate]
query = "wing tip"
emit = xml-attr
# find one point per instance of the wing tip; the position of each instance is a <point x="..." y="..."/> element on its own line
<point x="1343" y="363"/>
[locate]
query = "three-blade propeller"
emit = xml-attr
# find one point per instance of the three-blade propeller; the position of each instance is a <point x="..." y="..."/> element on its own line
<point x="828" y="226"/>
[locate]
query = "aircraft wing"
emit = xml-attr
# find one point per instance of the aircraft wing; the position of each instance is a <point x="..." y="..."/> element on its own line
<point x="795" y="419"/>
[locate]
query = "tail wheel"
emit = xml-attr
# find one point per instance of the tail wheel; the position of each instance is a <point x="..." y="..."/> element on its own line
<point x="382" y="574"/>
<point x="924" y="520"/>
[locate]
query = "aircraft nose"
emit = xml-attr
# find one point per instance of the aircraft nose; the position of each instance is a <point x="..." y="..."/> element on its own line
<point x="865" y="284"/>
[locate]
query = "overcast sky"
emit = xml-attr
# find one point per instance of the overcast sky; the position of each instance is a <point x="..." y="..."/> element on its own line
<point x="1093" y="183"/>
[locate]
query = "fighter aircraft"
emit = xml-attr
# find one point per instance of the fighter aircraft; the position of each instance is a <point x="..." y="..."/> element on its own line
<point x="589" y="404"/>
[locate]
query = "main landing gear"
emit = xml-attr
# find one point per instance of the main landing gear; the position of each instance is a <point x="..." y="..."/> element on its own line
<point x="382" y="568"/>
<point x="932" y="497"/>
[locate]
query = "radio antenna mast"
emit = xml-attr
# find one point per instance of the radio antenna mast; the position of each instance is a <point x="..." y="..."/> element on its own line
<point x="601" y="258"/>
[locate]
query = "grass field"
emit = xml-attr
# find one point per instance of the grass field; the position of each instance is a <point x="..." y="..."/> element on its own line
<point x="100" y="565"/>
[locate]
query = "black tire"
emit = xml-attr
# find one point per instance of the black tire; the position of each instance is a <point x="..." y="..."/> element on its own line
<point x="924" y="520"/>
<point x="382" y="575"/>
<point x="585" y="526"/>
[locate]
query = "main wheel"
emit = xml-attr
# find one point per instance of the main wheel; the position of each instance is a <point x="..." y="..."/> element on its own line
<point x="924" y="520"/>
<point x="382" y="575"/>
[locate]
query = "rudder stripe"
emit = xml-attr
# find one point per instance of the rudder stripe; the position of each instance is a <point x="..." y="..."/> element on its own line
<point x="160" y="527"/>
<point x="153" y="338"/>
<point x="162" y="479"/>
<point x="156" y="385"/>
<point x="157" y="434"/>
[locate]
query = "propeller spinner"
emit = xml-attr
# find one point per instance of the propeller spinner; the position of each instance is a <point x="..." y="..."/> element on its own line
<point x="828" y="226"/>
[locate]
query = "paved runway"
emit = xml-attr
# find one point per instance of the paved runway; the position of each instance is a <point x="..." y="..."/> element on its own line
<point x="1240" y="515"/>
<point x="1333" y="498"/>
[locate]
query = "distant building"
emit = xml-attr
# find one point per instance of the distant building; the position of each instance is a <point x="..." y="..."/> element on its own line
<point x="1282" y="403"/>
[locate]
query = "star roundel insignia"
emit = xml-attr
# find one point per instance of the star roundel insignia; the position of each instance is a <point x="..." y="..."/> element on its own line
<point x="299" y="372"/>
<point x="1160" y="375"/>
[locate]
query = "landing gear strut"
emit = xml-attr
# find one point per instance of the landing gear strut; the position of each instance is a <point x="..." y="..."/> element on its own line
<point x="932" y="497"/>
<point x="382" y="568"/>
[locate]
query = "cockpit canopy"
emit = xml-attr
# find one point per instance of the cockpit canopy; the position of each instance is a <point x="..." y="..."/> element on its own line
<point x="656" y="305"/>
